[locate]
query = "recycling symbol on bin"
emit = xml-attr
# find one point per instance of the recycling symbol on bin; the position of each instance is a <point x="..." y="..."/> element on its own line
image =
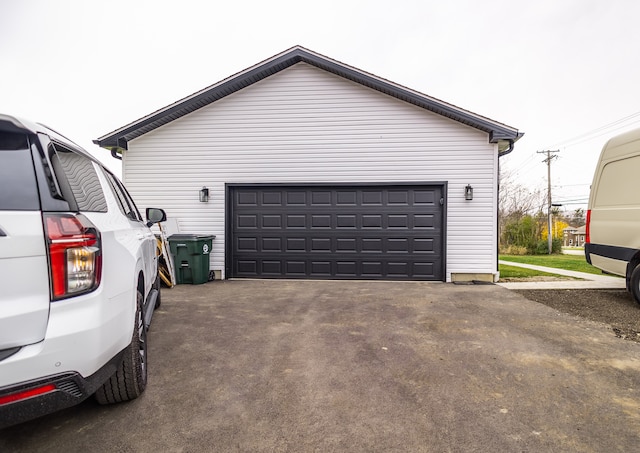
<point x="205" y="249"/>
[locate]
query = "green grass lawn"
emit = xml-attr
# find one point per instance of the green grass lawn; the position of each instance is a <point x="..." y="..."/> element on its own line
<point x="568" y="262"/>
<point x="521" y="272"/>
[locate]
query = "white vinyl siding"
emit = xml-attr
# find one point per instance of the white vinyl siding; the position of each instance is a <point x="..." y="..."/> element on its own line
<point x="306" y="125"/>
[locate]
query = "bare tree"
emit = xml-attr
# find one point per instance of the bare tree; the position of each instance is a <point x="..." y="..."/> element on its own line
<point x="578" y="218"/>
<point x="521" y="215"/>
<point x="516" y="200"/>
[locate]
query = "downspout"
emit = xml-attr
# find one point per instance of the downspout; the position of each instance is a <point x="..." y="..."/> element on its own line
<point x="503" y="153"/>
<point x="114" y="154"/>
<point x="508" y="150"/>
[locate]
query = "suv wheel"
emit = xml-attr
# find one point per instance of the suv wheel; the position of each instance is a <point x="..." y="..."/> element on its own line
<point x="157" y="285"/>
<point x="130" y="380"/>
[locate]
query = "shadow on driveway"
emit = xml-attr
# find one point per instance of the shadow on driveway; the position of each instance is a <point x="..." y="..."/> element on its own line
<point x="362" y="366"/>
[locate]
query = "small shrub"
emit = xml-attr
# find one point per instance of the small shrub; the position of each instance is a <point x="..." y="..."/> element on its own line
<point x="514" y="250"/>
<point x="542" y="247"/>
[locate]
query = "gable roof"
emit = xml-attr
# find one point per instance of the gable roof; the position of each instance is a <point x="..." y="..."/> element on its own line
<point x="499" y="133"/>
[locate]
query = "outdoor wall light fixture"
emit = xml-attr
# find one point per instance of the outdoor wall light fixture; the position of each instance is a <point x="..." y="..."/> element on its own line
<point x="468" y="192"/>
<point x="204" y="195"/>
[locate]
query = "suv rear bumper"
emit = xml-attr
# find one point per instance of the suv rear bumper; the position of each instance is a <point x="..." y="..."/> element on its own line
<point x="68" y="390"/>
<point x="83" y="333"/>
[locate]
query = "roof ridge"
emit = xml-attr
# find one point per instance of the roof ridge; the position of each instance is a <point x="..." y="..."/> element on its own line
<point x="498" y="132"/>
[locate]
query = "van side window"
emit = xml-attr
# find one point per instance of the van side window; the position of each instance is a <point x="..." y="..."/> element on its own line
<point x="125" y="201"/>
<point x="82" y="179"/>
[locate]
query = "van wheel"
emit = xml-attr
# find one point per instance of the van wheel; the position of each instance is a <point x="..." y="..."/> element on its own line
<point x="130" y="379"/>
<point x="634" y="283"/>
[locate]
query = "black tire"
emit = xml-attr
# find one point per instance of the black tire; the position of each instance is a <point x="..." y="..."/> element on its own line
<point x="157" y="285"/>
<point x="634" y="283"/>
<point x="130" y="380"/>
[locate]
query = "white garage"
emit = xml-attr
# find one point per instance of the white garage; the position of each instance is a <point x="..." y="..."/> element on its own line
<point x="315" y="169"/>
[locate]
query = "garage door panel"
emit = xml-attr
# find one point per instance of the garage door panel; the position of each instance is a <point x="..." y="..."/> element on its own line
<point x="296" y="198"/>
<point x="261" y="220"/>
<point x="246" y="198"/>
<point x="320" y="198"/>
<point x="398" y="221"/>
<point x="424" y="245"/>
<point x="246" y="267"/>
<point x="372" y="221"/>
<point x="372" y="197"/>
<point x="398" y="197"/>
<point x="249" y="244"/>
<point x="296" y="268"/>
<point x="321" y="245"/>
<point x="398" y="269"/>
<point x="272" y="198"/>
<point x="296" y="221"/>
<point x="372" y="245"/>
<point x="423" y="269"/>
<point x="337" y="232"/>
<point x="321" y="269"/>
<point x="425" y="197"/>
<point x="320" y="221"/>
<point x="271" y="268"/>
<point x="398" y="245"/>
<point x="346" y="245"/>
<point x="346" y="221"/>
<point x="346" y="198"/>
<point x="249" y="221"/>
<point x="296" y="245"/>
<point x="372" y="269"/>
<point x="346" y="269"/>
<point x="424" y="221"/>
<point x="271" y="221"/>
<point x="272" y="244"/>
<point x="340" y="268"/>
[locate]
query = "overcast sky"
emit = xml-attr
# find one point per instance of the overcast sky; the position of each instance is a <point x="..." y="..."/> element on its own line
<point x="565" y="72"/>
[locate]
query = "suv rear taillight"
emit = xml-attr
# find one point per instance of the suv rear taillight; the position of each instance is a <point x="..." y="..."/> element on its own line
<point x="75" y="254"/>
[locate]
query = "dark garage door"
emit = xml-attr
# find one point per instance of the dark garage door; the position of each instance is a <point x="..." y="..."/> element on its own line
<point x="336" y="232"/>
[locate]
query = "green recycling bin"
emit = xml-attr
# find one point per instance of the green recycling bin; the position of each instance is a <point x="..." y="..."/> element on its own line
<point x="191" y="257"/>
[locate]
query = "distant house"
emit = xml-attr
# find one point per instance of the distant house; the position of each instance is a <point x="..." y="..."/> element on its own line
<point x="315" y="169"/>
<point x="574" y="237"/>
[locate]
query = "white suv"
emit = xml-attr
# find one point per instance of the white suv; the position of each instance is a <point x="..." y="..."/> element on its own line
<point x="78" y="277"/>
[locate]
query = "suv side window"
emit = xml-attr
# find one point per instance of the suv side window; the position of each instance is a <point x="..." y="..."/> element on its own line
<point x="82" y="179"/>
<point x="18" y="187"/>
<point x="127" y="206"/>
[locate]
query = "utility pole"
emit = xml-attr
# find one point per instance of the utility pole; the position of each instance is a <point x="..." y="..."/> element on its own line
<point x="548" y="160"/>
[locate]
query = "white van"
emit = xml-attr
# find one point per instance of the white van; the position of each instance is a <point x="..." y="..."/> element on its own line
<point x="613" y="215"/>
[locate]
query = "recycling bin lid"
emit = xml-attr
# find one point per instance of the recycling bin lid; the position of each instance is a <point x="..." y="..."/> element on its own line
<point x="191" y="237"/>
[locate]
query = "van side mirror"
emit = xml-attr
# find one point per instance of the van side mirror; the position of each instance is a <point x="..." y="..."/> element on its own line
<point x="155" y="215"/>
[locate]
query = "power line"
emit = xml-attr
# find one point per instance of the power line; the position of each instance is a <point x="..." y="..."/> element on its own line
<point x="576" y="184"/>
<point x="608" y="132"/>
<point x="525" y="165"/>
<point x="586" y="136"/>
<point x="567" y="203"/>
<point x="570" y="200"/>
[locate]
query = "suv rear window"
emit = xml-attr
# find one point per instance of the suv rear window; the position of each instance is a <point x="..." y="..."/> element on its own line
<point x="18" y="187"/>
<point x="83" y="180"/>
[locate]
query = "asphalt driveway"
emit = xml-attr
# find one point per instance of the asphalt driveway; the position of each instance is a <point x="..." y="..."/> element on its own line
<point x="268" y="366"/>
